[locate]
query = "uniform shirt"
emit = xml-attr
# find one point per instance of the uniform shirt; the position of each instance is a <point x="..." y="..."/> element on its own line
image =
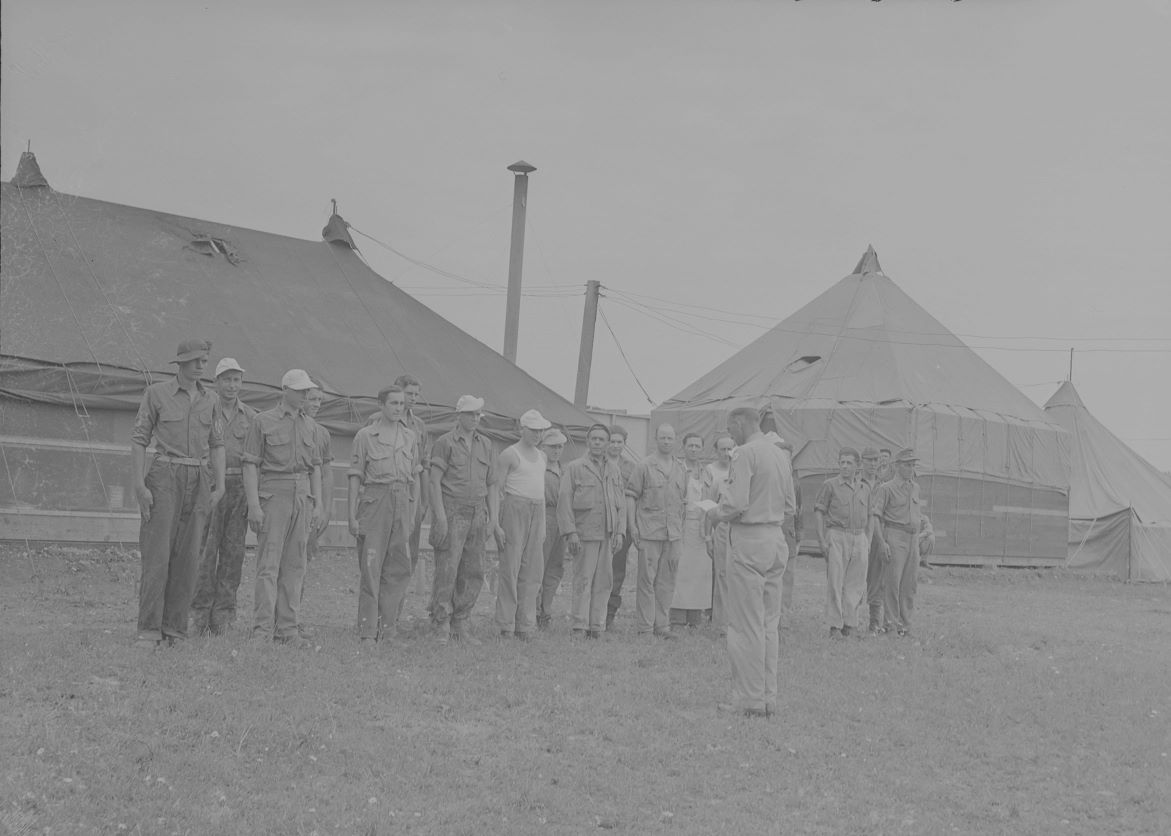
<point x="590" y="500"/>
<point x="552" y="483"/>
<point x="420" y="427"/>
<point x="323" y="440"/>
<point x="844" y="504"/>
<point x="715" y="481"/>
<point x="281" y="440"/>
<point x="760" y="485"/>
<point x="385" y="452"/>
<point x="898" y="502"/>
<point x="180" y="422"/>
<point x="659" y="491"/>
<point x="468" y="465"/>
<point x="234" y="430"/>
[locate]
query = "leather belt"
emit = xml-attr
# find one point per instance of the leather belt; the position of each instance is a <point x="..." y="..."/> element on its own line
<point x="162" y="457"/>
<point x="233" y="471"/>
<point x="898" y="526"/>
<point x="284" y="477"/>
<point x="847" y="530"/>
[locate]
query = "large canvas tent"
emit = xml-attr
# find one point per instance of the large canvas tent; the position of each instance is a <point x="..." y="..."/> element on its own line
<point x="1119" y="503"/>
<point x="864" y="365"/>
<point x="96" y="295"/>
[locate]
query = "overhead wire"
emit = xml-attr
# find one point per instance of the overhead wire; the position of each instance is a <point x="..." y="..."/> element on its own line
<point x="625" y="359"/>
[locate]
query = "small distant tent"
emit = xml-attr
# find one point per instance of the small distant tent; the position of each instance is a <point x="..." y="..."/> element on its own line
<point x="1119" y="503"/>
<point x="864" y="365"/>
<point x="96" y="296"/>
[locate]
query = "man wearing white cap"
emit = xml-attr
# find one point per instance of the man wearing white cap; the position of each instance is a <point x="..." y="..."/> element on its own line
<point x="463" y="482"/>
<point x="282" y="480"/>
<point x="553" y="445"/>
<point x="214" y="605"/>
<point x="174" y="495"/>
<point x="522" y="517"/>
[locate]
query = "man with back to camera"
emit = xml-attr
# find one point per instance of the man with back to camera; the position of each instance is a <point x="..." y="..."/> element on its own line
<point x="465" y="506"/>
<point x="176" y="494"/>
<point x="656" y="493"/>
<point x="282" y="480"/>
<point x="754" y="503"/>
<point x="522" y="517"/>
<point x="213" y="609"/>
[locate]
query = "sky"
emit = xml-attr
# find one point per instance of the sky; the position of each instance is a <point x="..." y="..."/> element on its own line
<point x="715" y="165"/>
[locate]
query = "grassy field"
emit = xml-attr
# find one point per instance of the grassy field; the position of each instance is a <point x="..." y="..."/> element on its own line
<point x="1029" y="702"/>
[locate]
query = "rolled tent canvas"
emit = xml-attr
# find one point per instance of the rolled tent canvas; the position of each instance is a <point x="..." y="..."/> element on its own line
<point x="864" y="365"/>
<point x="96" y="296"/>
<point x="1119" y="503"/>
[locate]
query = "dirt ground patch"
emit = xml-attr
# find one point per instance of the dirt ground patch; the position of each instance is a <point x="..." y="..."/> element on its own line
<point x="1029" y="702"/>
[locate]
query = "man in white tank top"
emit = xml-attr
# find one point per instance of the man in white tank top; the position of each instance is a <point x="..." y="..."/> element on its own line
<point x="522" y="516"/>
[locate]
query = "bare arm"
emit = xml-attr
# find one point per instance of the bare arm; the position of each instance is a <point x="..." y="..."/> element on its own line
<point x="252" y="495"/>
<point x="143" y="494"/>
<point x="354" y="486"/>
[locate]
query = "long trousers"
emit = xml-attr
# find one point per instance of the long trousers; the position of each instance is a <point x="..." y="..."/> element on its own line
<point x="522" y="563"/>
<point x="459" y="561"/>
<point x="845" y="575"/>
<point x="418" y="511"/>
<point x="658" y="561"/>
<point x="554" y="553"/>
<point x="618" y="572"/>
<point x="720" y="577"/>
<point x="171" y="542"/>
<point x="874" y="589"/>
<point x="789" y="579"/>
<point x="384" y="562"/>
<point x="592" y="582"/>
<point x="280" y="554"/>
<point x="901" y="578"/>
<point x="757" y="556"/>
<point x="214" y="605"/>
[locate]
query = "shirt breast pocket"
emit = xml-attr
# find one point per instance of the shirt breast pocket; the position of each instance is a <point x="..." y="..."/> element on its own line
<point x="280" y="441"/>
<point x="378" y="463"/>
<point x="585" y="496"/>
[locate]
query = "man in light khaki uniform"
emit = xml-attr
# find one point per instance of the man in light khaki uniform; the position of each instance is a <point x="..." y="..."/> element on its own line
<point x="384" y="467"/>
<point x="553" y="444"/>
<point x="897" y="521"/>
<point x="759" y="487"/>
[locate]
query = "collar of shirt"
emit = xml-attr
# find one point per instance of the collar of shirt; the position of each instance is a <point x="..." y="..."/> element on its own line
<point x="381" y="423"/>
<point x="174" y="388"/>
<point x="467" y="438"/>
<point x="552" y="467"/>
<point x="287" y="411"/>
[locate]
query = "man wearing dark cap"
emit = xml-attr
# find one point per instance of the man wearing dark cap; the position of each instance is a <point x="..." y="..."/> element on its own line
<point x="282" y="480"/>
<point x="897" y="519"/>
<point x="214" y="607"/>
<point x="176" y="494"/>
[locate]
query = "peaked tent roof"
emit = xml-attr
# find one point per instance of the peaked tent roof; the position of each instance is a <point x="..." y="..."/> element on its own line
<point x="862" y="340"/>
<point x="110" y="290"/>
<point x="1106" y="475"/>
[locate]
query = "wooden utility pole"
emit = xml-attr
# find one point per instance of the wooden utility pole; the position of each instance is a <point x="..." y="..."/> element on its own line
<point x="585" y="355"/>
<point x="516" y="256"/>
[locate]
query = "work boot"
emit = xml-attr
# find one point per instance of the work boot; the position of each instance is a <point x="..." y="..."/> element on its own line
<point x="442" y="633"/>
<point x="835" y="632"/>
<point x="847" y="631"/>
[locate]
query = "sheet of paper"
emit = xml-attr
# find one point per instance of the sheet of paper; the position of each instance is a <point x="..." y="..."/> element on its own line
<point x="706" y="505"/>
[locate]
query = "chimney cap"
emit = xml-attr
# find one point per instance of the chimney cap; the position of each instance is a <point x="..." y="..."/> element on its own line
<point x="521" y="167"/>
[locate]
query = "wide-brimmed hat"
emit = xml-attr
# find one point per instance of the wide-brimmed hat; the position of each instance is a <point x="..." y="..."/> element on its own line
<point x="228" y="364"/>
<point x="533" y="420"/>
<point x="870" y="452"/>
<point x="907" y="456"/>
<point x="469" y="403"/>
<point x="554" y="437"/>
<point x="190" y="349"/>
<point x="297" y="379"/>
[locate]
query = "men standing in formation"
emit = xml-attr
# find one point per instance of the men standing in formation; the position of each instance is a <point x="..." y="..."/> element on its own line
<point x="384" y="469"/>
<point x="177" y="493"/>
<point x="615" y="451"/>
<point x="553" y="445"/>
<point x="898" y="521"/>
<point x="214" y="606"/>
